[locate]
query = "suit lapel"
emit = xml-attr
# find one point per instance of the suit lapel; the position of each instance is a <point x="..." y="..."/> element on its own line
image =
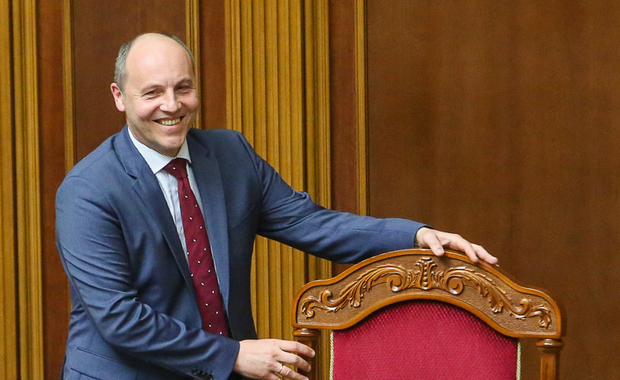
<point x="147" y="187"/>
<point x="209" y="180"/>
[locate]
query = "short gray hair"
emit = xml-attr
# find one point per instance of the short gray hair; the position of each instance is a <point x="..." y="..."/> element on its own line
<point x="120" y="70"/>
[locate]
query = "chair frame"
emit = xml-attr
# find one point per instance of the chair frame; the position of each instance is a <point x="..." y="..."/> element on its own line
<point x="416" y="274"/>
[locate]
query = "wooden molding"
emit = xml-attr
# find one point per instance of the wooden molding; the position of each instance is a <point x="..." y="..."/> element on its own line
<point x="233" y="64"/>
<point x="67" y="70"/>
<point x="317" y="101"/>
<point x="360" y="86"/>
<point x="192" y="38"/>
<point x="27" y="189"/>
<point x="8" y="300"/>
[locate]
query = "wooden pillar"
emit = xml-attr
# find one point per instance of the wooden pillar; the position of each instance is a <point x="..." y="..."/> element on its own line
<point x="550" y="358"/>
<point x="311" y="338"/>
<point x="8" y="301"/>
<point x="27" y="233"/>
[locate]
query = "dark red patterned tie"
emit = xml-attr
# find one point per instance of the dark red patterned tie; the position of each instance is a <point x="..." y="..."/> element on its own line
<point x="199" y="254"/>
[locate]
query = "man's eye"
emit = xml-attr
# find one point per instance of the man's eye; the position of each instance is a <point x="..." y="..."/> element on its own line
<point x="151" y="94"/>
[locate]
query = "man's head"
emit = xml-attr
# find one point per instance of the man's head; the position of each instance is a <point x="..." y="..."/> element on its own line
<point x="155" y="86"/>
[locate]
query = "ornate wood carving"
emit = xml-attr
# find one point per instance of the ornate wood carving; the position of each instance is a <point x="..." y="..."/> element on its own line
<point x="426" y="277"/>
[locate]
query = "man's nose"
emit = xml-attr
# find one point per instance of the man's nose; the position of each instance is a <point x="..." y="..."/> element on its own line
<point x="170" y="103"/>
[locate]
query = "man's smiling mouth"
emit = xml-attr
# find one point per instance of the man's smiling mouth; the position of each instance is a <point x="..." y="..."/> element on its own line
<point x="169" y="122"/>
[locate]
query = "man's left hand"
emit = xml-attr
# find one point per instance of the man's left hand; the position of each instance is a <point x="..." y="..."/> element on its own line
<point x="437" y="240"/>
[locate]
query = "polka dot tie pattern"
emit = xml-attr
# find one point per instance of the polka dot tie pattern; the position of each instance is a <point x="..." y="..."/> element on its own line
<point x="199" y="254"/>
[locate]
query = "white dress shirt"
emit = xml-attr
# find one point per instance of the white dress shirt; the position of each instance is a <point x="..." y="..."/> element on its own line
<point x="168" y="183"/>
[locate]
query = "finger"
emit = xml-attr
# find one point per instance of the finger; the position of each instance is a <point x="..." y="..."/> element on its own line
<point x="271" y="376"/>
<point x="430" y="239"/>
<point x="296" y="348"/>
<point x="288" y="373"/>
<point x="294" y="360"/>
<point x="436" y="247"/>
<point x="469" y="251"/>
<point x="484" y="255"/>
<point x="474" y="251"/>
<point x="460" y="244"/>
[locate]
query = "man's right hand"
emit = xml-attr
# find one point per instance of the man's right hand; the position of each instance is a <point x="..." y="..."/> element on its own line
<point x="266" y="359"/>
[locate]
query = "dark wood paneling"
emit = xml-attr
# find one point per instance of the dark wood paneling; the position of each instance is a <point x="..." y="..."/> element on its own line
<point x="52" y="170"/>
<point x="99" y="29"/>
<point x="343" y="112"/>
<point x="343" y="99"/>
<point x="499" y="120"/>
<point x="213" y="63"/>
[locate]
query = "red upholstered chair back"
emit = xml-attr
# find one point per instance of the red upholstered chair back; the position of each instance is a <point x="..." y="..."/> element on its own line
<point x="423" y="340"/>
<point x="411" y="315"/>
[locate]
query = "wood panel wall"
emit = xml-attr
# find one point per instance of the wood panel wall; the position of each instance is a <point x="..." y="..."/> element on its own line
<point x="54" y="286"/>
<point x="99" y="28"/>
<point x="500" y="120"/>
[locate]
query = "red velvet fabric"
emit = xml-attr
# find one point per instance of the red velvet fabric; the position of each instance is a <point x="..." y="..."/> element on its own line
<point x="423" y="340"/>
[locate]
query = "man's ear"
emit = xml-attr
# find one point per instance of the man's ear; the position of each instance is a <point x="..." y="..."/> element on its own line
<point x="118" y="97"/>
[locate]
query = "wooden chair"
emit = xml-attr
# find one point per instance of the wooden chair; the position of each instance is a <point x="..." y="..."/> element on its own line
<point x="412" y="315"/>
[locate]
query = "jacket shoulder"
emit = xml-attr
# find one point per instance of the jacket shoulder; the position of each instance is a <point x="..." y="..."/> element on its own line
<point x="98" y="157"/>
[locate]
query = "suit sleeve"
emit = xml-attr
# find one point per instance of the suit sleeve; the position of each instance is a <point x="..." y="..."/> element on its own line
<point x="93" y="251"/>
<point x="292" y="218"/>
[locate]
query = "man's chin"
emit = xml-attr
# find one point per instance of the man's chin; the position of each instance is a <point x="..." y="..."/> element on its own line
<point x="171" y="148"/>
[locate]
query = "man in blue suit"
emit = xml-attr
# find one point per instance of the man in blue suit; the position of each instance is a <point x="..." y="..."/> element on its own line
<point x="121" y="236"/>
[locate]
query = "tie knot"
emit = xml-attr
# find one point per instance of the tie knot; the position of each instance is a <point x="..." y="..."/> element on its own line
<point x="176" y="167"/>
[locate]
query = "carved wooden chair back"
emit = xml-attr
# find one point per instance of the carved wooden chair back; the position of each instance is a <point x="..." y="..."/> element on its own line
<point x="410" y="314"/>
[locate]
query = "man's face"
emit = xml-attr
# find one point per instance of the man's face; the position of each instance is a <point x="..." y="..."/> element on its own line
<point x="159" y="98"/>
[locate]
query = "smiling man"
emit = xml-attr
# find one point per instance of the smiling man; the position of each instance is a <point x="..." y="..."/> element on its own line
<point x="159" y="97"/>
<point x="156" y="227"/>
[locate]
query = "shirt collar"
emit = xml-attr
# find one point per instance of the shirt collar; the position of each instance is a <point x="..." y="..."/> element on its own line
<point x="153" y="158"/>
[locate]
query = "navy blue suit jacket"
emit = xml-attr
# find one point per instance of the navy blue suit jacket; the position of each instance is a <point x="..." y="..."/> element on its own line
<point x="134" y="312"/>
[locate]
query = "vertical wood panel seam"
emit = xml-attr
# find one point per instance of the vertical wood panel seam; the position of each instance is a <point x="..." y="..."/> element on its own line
<point x="323" y="99"/>
<point x="323" y="159"/>
<point x="360" y="86"/>
<point x="233" y="80"/>
<point x="68" y="91"/>
<point x="192" y="38"/>
<point x="8" y="295"/>
<point x="28" y="189"/>
<point x="258" y="133"/>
